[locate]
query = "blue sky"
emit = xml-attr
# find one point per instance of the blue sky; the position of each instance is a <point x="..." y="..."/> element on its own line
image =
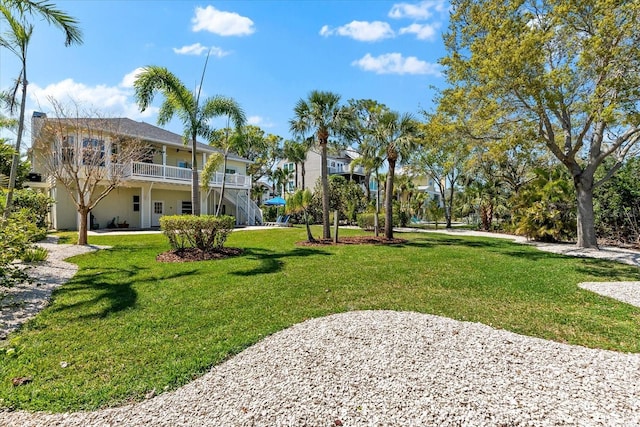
<point x="265" y="54"/>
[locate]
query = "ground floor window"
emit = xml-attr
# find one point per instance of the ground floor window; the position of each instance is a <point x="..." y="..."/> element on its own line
<point x="158" y="208"/>
<point x="186" y="207"/>
<point x="136" y="203"/>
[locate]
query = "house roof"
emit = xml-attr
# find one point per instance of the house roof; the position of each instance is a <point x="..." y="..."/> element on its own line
<point x="146" y="132"/>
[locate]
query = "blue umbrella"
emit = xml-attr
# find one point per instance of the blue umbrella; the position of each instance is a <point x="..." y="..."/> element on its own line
<point x="276" y="201"/>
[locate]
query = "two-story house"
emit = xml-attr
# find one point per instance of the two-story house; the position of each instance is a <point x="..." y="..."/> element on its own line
<point x="158" y="185"/>
<point x="338" y="163"/>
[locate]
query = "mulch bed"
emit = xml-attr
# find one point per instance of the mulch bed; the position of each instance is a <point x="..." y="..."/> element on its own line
<point x="355" y="240"/>
<point x="195" y="254"/>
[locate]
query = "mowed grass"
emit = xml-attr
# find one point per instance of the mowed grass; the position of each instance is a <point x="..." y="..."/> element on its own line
<point x="126" y="324"/>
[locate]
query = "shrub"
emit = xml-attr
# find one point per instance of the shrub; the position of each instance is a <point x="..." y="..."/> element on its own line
<point x="205" y="232"/>
<point x="617" y="205"/>
<point x="15" y="239"/>
<point x="38" y="204"/>
<point x="545" y="208"/>
<point x="34" y="254"/>
<point x="366" y="221"/>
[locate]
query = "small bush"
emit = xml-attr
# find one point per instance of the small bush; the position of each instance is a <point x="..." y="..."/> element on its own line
<point x="205" y="232"/>
<point x="35" y="254"/>
<point x="366" y="221"/>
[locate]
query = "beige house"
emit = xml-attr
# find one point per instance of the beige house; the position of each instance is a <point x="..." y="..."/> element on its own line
<point x="159" y="185"/>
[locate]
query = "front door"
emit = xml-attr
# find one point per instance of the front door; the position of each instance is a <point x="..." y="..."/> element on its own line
<point x="158" y="211"/>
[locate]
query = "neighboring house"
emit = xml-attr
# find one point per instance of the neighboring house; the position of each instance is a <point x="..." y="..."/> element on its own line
<point x="160" y="185"/>
<point x="337" y="164"/>
<point x="422" y="183"/>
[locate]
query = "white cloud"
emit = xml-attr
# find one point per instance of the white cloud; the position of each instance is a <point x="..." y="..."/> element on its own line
<point x="259" y="121"/>
<point x="198" y="49"/>
<point x="395" y="63"/>
<point x="128" y="79"/>
<point x="421" y="10"/>
<point x="422" y="32"/>
<point x="110" y="101"/>
<point x="222" y="23"/>
<point x="361" y="31"/>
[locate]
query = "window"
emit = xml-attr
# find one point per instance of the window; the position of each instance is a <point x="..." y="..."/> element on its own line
<point x="230" y="171"/>
<point x="289" y="167"/>
<point x="185" y="207"/>
<point x="136" y="203"/>
<point x="291" y="186"/>
<point x="93" y="151"/>
<point x="183" y="164"/>
<point x="67" y="149"/>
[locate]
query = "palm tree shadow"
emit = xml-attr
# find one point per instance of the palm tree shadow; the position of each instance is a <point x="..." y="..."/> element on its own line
<point x="105" y="291"/>
<point x="272" y="262"/>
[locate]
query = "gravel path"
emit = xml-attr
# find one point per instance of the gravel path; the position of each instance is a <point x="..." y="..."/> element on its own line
<point x="370" y="368"/>
<point x="22" y="302"/>
<point x="392" y="368"/>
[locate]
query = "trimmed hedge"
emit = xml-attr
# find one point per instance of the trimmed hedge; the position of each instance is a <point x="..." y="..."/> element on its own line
<point x="205" y="232"/>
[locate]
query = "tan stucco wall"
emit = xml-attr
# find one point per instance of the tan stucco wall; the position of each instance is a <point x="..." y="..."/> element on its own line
<point x="65" y="210"/>
<point x="172" y="199"/>
<point x="118" y="204"/>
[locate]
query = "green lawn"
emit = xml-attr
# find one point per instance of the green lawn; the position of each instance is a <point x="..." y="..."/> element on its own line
<point x="126" y="324"/>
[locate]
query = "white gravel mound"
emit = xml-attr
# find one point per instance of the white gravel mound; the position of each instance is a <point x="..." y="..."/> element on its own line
<point x="373" y="368"/>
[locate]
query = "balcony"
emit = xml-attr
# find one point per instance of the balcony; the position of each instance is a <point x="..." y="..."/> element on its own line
<point x="173" y="174"/>
<point x="344" y="170"/>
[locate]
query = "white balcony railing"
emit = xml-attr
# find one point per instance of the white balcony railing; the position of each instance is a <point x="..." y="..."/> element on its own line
<point x="173" y="174"/>
<point x="344" y="169"/>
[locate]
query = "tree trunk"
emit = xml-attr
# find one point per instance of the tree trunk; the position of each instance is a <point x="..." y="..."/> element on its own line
<point x="82" y="228"/>
<point x="195" y="185"/>
<point x="376" y="219"/>
<point x="224" y="180"/>
<point x="326" y="227"/>
<point x="306" y="222"/>
<point x="449" y="207"/>
<point x="302" y="174"/>
<point x="586" y="222"/>
<point x="388" y="200"/>
<point x="367" y="189"/>
<point x="16" y="156"/>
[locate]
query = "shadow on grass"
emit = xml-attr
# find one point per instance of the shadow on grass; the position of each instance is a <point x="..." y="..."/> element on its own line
<point x="429" y="242"/>
<point x="272" y="262"/>
<point x="609" y="270"/>
<point x="105" y="291"/>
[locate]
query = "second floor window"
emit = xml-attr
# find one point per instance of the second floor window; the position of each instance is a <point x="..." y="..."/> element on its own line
<point x="93" y="151"/>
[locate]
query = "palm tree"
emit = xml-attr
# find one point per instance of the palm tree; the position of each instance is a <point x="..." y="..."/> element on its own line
<point x="397" y="134"/>
<point x="16" y="40"/>
<point x="300" y="202"/>
<point x="321" y="112"/>
<point x="223" y="106"/>
<point x="181" y="102"/>
<point x="296" y="152"/>
<point x="279" y="178"/>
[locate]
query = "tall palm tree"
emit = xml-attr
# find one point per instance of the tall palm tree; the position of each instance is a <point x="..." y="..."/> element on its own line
<point x="16" y="13"/>
<point x="397" y="133"/>
<point x="223" y="106"/>
<point x="322" y="114"/>
<point x="181" y="102"/>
